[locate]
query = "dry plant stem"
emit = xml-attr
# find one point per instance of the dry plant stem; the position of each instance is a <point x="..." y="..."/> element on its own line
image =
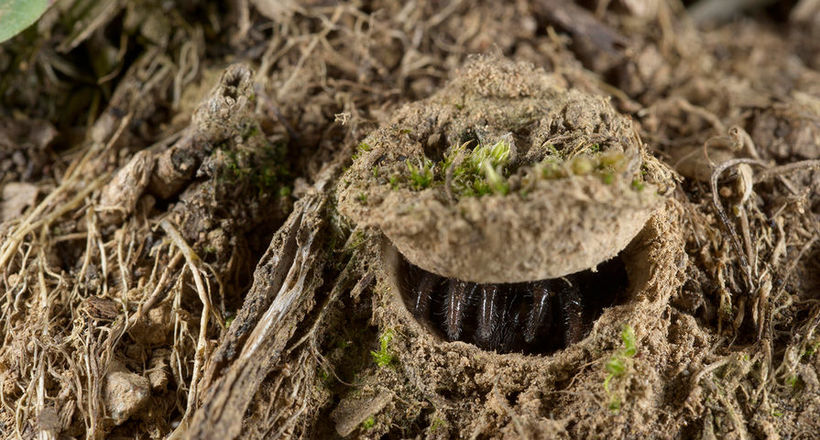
<point x="344" y="280"/>
<point x="703" y="113"/>
<point x="227" y="398"/>
<point x="792" y="265"/>
<point x="306" y="54"/>
<point x="788" y="168"/>
<point x="28" y="225"/>
<point x="192" y="261"/>
<point x="73" y="177"/>
<point x="744" y="261"/>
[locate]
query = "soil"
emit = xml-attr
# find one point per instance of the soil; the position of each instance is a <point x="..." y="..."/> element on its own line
<point x="202" y="208"/>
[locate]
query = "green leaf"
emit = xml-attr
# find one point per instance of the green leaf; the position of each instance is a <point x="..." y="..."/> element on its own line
<point x="615" y="367"/>
<point x="16" y="15"/>
<point x="628" y="336"/>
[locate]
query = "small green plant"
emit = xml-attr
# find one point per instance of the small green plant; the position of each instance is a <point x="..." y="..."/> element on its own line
<point x="616" y="365"/>
<point x="362" y="148"/>
<point x="362" y="198"/>
<point x="383" y="357"/>
<point x="812" y="348"/>
<point x="323" y="375"/>
<point x="482" y="171"/>
<point x="369" y="423"/>
<point x="421" y="177"/>
<point x="394" y="182"/>
<point x="437" y="424"/>
<point x="793" y="381"/>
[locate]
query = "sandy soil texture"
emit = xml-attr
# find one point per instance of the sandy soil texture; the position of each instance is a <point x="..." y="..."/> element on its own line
<point x="206" y="208"/>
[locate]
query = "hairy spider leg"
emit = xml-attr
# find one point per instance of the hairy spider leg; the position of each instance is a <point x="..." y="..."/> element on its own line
<point x="423" y="293"/>
<point x="458" y="295"/>
<point x="540" y="313"/>
<point x="488" y="310"/>
<point x="572" y="309"/>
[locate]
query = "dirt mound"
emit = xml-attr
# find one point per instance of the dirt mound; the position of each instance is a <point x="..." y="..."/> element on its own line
<point x="544" y="162"/>
<point x="178" y="180"/>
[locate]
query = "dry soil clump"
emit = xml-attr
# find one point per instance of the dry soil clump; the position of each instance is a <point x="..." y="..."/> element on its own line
<point x="505" y="175"/>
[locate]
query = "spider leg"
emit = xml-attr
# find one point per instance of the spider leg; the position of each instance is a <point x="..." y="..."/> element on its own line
<point x="572" y="310"/>
<point x="457" y="299"/>
<point x="540" y="313"/>
<point x="422" y="294"/>
<point x="488" y="310"/>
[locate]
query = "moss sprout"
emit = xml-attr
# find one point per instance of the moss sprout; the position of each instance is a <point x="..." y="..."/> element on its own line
<point x="482" y="171"/>
<point x="617" y="365"/>
<point x="421" y="176"/>
<point x="383" y="357"/>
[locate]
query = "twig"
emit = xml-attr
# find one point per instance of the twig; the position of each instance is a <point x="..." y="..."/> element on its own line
<point x="722" y="213"/>
<point x="202" y="343"/>
<point x="788" y="168"/>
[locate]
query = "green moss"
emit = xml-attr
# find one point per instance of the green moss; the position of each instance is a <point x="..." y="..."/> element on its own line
<point x="485" y="169"/>
<point x="437" y="424"/>
<point x="813" y="348"/>
<point x="383" y="357"/>
<point x="617" y="365"/>
<point x="250" y="130"/>
<point x="362" y="148"/>
<point x="362" y="198"/>
<point x="481" y="171"/>
<point x="369" y="423"/>
<point x="255" y="162"/>
<point x="421" y="176"/>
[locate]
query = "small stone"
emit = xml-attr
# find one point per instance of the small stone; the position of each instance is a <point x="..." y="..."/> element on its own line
<point x="124" y="392"/>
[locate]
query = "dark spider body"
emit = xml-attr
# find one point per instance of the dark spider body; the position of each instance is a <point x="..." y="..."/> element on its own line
<point x="535" y="317"/>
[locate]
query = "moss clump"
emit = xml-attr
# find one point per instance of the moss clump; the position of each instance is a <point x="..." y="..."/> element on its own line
<point x="477" y="172"/>
<point x="257" y="162"/>
<point x="361" y="149"/>
<point x="369" y="423"/>
<point x="421" y="176"/>
<point x="486" y="170"/>
<point x="483" y="170"/>
<point x="617" y="365"/>
<point x="383" y="357"/>
<point x="605" y="165"/>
